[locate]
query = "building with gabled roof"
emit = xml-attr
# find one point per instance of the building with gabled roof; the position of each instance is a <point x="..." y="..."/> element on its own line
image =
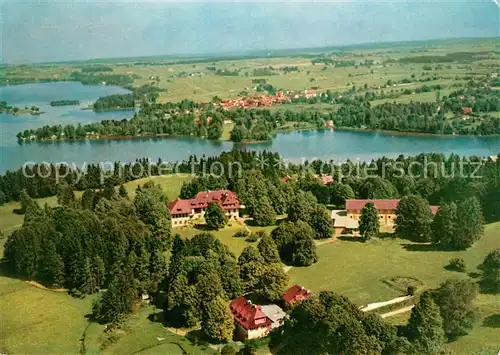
<point x="250" y="321"/>
<point x="295" y="294"/>
<point x="185" y="210"/>
<point x="386" y="209"/>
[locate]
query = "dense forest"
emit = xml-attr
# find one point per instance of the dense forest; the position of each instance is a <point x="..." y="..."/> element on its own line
<point x="100" y="77"/>
<point x="64" y="102"/>
<point x="436" y="184"/>
<point x="114" y="102"/>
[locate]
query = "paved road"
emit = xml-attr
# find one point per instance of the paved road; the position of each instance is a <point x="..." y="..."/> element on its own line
<point x="397" y="311"/>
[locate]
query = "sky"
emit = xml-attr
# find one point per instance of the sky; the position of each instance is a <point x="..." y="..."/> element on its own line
<point x="40" y="31"/>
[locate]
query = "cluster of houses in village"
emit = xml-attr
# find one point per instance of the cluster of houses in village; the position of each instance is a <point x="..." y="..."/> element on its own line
<point x="255" y="101"/>
<point x="256" y="321"/>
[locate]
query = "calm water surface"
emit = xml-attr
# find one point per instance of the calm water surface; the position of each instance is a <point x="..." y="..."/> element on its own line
<point x="295" y="146"/>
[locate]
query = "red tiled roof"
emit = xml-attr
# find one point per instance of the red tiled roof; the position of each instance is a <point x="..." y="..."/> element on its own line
<point x="179" y="206"/>
<point x="296" y="293"/>
<point x="248" y="315"/>
<point x="467" y="109"/>
<point x="380" y="205"/>
<point x="325" y="179"/>
<point x="225" y="198"/>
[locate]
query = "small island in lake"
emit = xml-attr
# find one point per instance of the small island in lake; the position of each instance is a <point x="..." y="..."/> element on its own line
<point x="6" y="108"/>
<point x="64" y="102"/>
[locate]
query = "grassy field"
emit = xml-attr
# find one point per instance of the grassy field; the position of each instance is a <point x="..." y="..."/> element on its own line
<point x="225" y="235"/>
<point x="357" y="270"/>
<point x="197" y="83"/>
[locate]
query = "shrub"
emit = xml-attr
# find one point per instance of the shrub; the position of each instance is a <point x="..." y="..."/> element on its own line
<point x="457" y="264"/>
<point x="228" y="350"/>
<point x="252" y="238"/>
<point x="410" y="291"/>
<point x="242" y="233"/>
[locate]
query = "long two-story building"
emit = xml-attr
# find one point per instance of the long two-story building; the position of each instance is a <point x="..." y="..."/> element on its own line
<point x="184" y="211"/>
<point x="348" y="220"/>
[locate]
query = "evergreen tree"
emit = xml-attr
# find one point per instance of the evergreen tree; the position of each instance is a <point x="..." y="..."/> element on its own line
<point x="88" y="200"/>
<point x="215" y="216"/>
<point x="444" y="225"/>
<point x="491" y="272"/>
<point x="209" y="286"/>
<point x="425" y="327"/>
<point x="321" y="222"/>
<point x="157" y="268"/>
<point x="217" y="321"/>
<point x="65" y="195"/>
<point x="99" y="271"/>
<point x="264" y="214"/>
<point x="52" y="265"/>
<point x="90" y="284"/>
<point x="268" y="250"/>
<point x="118" y="300"/>
<point x="369" y="223"/>
<point x="230" y="276"/>
<point x="29" y="208"/>
<point x="455" y="300"/>
<point x="122" y="191"/>
<point x="414" y="219"/>
<point x="470" y="223"/>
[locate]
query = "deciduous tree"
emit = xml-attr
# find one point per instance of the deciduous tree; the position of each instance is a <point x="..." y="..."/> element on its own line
<point x="321" y="222"/>
<point x="215" y="216"/>
<point x="455" y="299"/>
<point x="413" y="219"/>
<point x="217" y="321"/>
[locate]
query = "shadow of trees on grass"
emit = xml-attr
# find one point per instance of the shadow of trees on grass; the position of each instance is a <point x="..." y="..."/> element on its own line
<point x="492" y="321"/>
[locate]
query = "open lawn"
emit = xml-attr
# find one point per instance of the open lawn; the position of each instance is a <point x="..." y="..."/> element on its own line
<point x="225" y="235"/>
<point x="40" y="321"/>
<point x="357" y="270"/>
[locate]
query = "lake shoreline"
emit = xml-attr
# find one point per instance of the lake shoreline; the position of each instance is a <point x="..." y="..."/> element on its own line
<point x="249" y="142"/>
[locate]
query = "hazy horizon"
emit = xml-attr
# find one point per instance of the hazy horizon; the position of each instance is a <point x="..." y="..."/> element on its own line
<point x="63" y="31"/>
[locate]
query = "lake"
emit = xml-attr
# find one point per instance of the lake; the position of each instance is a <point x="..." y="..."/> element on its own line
<point x="295" y="146"/>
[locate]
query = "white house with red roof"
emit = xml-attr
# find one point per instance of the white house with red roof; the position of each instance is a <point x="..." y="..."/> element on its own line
<point x="184" y="211"/>
<point x="250" y="321"/>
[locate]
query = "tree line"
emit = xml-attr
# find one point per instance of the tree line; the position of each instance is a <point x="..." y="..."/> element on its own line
<point x="258" y="124"/>
<point x="432" y="177"/>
